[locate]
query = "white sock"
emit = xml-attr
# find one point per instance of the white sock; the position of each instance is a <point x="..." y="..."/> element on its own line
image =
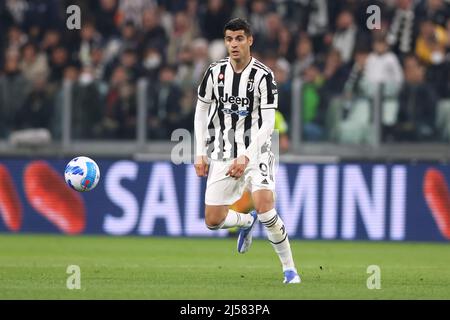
<point x="236" y="219"/>
<point x="278" y="236"/>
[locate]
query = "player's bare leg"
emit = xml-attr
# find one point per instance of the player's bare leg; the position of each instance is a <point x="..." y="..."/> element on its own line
<point x="276" y="232"/>
<point x="221" y="217"/>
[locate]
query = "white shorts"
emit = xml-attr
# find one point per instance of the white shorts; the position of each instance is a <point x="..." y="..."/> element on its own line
<point x="226" y="190"/>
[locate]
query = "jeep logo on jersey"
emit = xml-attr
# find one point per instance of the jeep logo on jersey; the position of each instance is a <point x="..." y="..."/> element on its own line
<point x="235" y="100"/>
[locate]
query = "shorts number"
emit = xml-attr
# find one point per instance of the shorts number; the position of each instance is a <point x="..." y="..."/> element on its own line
<point x="267" y="170"/>
<point x="263" y="168"/>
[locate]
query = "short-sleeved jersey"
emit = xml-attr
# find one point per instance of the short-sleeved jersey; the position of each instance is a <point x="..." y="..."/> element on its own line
<point x="236" y="101"/>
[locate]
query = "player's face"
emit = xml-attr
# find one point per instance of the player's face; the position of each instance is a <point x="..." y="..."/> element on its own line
<point x="238" y="44"/>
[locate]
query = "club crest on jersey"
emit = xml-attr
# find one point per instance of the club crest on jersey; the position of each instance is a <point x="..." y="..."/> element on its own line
<point x="250" y="86"/>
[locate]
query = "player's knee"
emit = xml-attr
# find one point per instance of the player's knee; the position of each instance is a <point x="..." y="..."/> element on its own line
<point x="264" y="206"/>
<point x="213" y="222"/>
<point x="263" y="201"/>
<point x="215" y="216"/>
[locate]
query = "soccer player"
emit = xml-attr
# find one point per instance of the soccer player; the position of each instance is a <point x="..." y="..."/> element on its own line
<point x="234" y="120"/>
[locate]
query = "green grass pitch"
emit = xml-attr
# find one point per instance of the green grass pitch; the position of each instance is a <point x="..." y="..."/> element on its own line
<point x="34" y="267"/>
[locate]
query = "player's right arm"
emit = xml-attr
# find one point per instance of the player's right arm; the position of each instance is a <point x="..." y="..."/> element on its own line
<point x="204" y="100"/>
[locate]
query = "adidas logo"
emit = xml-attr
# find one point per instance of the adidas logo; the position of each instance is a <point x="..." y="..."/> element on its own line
<point x="264" y="181"/>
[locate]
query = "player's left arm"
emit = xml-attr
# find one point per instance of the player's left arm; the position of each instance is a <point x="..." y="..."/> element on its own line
<point x="269" y="103"/>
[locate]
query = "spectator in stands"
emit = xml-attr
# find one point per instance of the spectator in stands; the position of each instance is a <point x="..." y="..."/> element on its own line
<point x="164" y="105"/>
<point x="98" y="62"/>
<point x="130" y="36"/>
<point x="37" y="109"/>
<point x="347" y="35"/>
<point x="355" y="80"/>
<point x="216" y="16"/>
<point x="438" y="11"/>
<point x="185" y="69"/>
<point x="17" y="9"/>
<point x="181" y="36"/>
<point x="200" y="59"/>
<point x="304" y="56"/>
<point x="317" y="22"/>
<point x="14" y="88"/>
<point x="417" y="112"/>
<point x="86" y="106"/>
<point x="194" y="12"/>
<point x="402" y="28"/>
<point x="335" y="73"/>
<point x="109" y="122"/>
<point x="312" y="107"/>
<point x="106" y="16"/>
<point x="129" y="39"/>
<point x="284" y="86"/>
<point x="16" y="38"/>
<point x="123" y="112"/>
<point x="131" y="10"/>
<point x="431" y="43"/>
<point x="345" y="119"/>
<point x="152" y="61"/>
<point x="129" y="60"/>
<point x="294" y="14"/>
<point x="42" y="15"/>
<point x="240" y="9"/>
<point x="270" y="39"/>
<point x="286" y="47"/>
<point x="51" y="39"/>
<point x="59" y="60"/>
<point x="257" y="19"/>
<point x="438" y="74"/>
<point x="154" y="34"/>
<point x="89" y="38"/>
<point x="34" y="64"/>
<point x="382" y="68"/>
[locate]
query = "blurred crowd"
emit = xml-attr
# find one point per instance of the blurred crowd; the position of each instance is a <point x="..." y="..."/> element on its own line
<point x="326" y="46"/>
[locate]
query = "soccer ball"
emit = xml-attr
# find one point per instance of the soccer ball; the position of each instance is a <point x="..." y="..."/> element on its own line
<point x="82" y="174"/>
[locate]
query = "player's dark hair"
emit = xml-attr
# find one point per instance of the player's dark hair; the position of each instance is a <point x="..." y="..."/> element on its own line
<point x="238" y="24"/>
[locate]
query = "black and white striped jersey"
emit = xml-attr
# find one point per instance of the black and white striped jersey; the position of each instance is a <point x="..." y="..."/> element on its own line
<point x="236" y="101"/>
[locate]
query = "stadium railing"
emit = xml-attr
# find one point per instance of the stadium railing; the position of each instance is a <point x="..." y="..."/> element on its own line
<point x="367" y="145"/>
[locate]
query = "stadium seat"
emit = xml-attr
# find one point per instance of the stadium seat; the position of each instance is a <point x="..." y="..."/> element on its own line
<point x="355" y="128"/>
<point x="390" y="112"/>
<point x="443" y="119"/>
